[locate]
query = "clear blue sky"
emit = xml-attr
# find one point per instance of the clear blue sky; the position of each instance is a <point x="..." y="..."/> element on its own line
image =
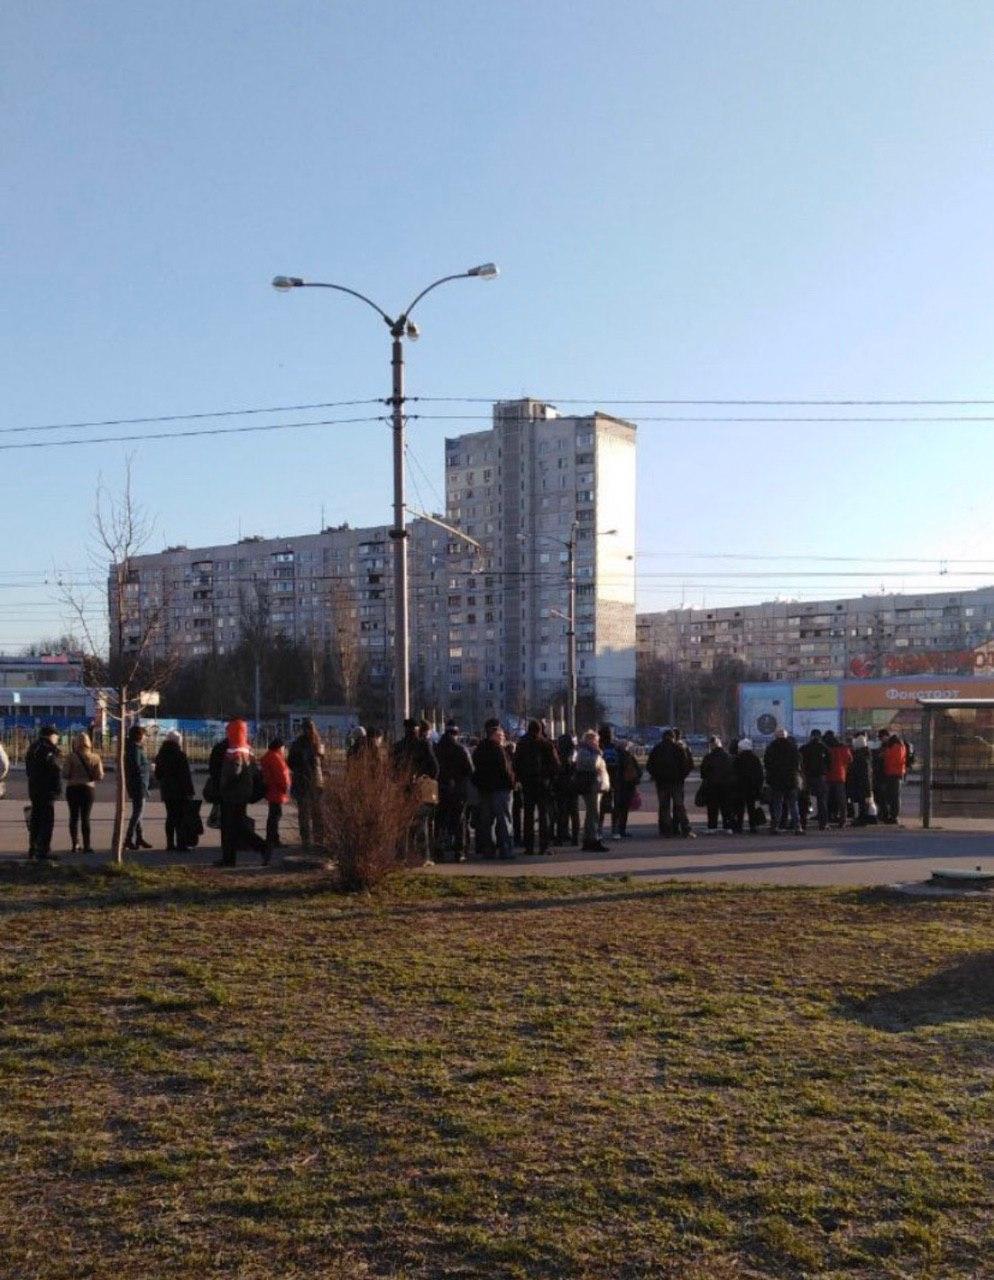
<point x="738" y="200"/>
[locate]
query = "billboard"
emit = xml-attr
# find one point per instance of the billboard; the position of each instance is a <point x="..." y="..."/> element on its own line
<point x="878" y="695"/>
<point x="764" y="708"/>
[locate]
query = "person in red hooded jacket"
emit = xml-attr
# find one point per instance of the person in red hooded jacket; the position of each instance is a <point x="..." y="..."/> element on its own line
<point x="238" y="786"/>
<point x="276" y="777"/>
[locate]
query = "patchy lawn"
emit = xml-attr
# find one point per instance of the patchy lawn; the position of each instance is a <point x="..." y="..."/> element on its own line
<point x="254" y="1077"/>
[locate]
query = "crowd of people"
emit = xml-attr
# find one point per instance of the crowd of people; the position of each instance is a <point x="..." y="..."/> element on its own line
<point x="500" y="794"/>
<point x="490" y="796"/>
<point x="235" y="780"/>
<point x="828" y="780"/>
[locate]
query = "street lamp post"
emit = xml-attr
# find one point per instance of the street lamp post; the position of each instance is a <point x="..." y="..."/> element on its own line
<point x="570" y="616"/>
<point x="400" y="328"/>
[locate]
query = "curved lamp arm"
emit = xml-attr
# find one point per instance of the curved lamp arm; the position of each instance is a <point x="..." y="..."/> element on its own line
<point x="460" y="275"/>
<point x="294" y="282"/>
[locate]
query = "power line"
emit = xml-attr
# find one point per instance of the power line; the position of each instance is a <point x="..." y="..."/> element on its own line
<point x="554" y="400"/>
<point x="787" y="419"/>
<point x="177" y="435"/>
<point x="190" y="417"/>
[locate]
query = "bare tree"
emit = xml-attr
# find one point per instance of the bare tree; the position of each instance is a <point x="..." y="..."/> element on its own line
<point x="346" y="651"/>
<point x="255" y="622"/>
<point x="132" y="667"/>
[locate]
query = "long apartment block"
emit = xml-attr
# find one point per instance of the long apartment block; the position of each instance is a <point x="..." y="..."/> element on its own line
<point x="488" y="635"/>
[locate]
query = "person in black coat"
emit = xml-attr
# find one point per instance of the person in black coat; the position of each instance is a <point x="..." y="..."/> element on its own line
<point x="172" y="773"/>
<point x="535" y="766"/>
<point x="782" y="764"/>
<point x="815" y="759"/>
<point x="718" y="786"/>
<point x="859" y="782"/>
<point x="748" y="770"/>
<point x="455" y="769"/>
<point x="668" y="767"/>
<point x="43" y="767"/>
<point x="494" y="779"/>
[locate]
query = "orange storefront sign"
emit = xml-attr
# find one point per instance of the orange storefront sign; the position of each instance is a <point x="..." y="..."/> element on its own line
<point x="876" y="695"/>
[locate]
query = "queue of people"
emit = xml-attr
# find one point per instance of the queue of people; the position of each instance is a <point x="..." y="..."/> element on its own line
<point x="500" y="795"/>
<point x="494" y="796"/>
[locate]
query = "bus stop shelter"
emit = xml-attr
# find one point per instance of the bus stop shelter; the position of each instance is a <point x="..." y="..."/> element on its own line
<point x="958" y="764"/>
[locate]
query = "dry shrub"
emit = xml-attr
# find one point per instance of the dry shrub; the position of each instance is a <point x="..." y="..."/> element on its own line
<point x="368" y="808"/>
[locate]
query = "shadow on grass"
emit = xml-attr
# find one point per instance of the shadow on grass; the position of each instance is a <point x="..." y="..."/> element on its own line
<point x="962" y="992"/>
<point x="102" y="888"/>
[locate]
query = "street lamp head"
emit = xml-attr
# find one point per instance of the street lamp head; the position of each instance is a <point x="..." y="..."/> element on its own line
<point x="486" y="271"/>
<point x="286" y="283"/>
<point x="412" y="331"/>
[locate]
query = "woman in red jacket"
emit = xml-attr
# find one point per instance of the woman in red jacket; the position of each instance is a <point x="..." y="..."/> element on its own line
<point x="276" y="776"/>
<point x="895" y="766"/>
<point x="840" y="758"/>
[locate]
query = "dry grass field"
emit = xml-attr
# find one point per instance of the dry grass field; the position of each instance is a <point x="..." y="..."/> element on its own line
<point x="255" y="1076"/>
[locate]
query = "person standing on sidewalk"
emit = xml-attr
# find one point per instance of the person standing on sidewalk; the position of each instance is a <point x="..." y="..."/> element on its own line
<point x="667" y="767"/>
<point x="815" y="760"/>
<point x="494" y="779"/>
<point x="44" y="787"/>
<point x="137" y="775"/>
<point x="455" y="770"/>
<point x="840" y="758"/>
<point x="82" y="770"/>
<point x="305" y="759"/>
<point x="895" y="766"/>
<point x="564" y="790"/>
<point x="748" y="770"/>
<point x="276" y="779"/>
<point x="535" y="766"/>
<point x="172" y="773"/>
<point x="592" y="783"/>
<point x="782" y="765"/>
<point x="241" y="785"/>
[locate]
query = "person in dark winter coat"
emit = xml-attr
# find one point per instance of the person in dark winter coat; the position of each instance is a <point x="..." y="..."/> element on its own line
<point x="240" y="779"/>
<point x="414" y="754"/>
<point x="748" y="770"/>
<point x="815" y="759"/>
<point x="455" y="770"/>
<point x="137" y="776"/>
<point x="668" y="767"/>
<point x="566" y="796"/>
<point x="494" y="780"/>
<point x="860" y="781"/>
<point x="629" y="775"/>
<point x="172" y="773"/>
<point x="718" y="786"/>
<point x="782" y="765"/>
<point x="43" y="767"/>
<point x="535" y="766"/>
<point x="305" y="759"/>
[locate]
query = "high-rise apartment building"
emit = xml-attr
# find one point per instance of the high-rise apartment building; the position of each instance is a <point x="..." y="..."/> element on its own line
<point x="862" y="636"/>
<point x="519" y="489"/>
<point x="488" y="622"/>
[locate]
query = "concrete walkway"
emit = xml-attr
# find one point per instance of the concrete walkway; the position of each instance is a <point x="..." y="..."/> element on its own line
<point x="866" y="856"/>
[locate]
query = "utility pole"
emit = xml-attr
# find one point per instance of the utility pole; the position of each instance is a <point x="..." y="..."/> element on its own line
<point x="400" y="328"/>
<point x="401" y="639"/>
<point x="571" y="632"/>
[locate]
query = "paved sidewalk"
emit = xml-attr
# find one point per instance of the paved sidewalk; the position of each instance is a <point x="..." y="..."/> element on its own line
<point x="866" y="856"/>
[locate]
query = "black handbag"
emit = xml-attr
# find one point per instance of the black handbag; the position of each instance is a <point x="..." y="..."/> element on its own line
<point x="259" y="785"/>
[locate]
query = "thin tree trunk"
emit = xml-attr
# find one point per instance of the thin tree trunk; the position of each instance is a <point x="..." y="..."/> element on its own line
<point x="118" y="836"/>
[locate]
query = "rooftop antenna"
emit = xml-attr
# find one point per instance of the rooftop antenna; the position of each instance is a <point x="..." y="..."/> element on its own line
<point x="322" y="517"/>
